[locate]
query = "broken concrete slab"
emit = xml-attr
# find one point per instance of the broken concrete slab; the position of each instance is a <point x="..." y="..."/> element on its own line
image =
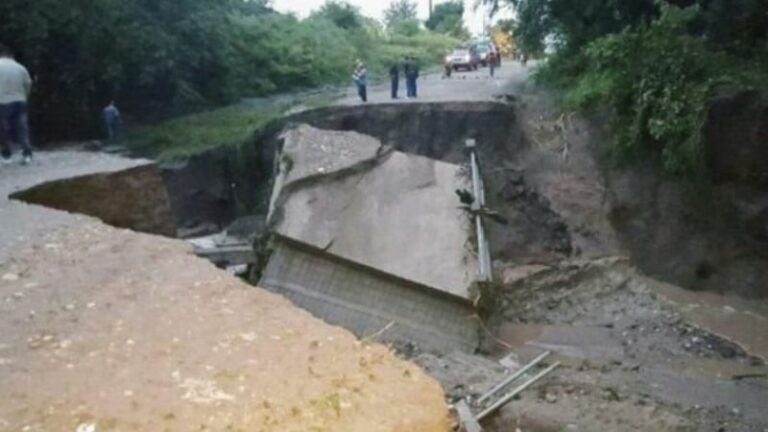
<point x="370" y="302"/>
<point x="314" y="151"/>
<point x="365" y="238"/>
<point x="309" y="153"/>
<point x="399" y="215"/>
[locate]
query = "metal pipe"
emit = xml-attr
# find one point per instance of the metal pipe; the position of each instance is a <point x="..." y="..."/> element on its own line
<point x="514" y="376"/>
<point x="516" y="391"/>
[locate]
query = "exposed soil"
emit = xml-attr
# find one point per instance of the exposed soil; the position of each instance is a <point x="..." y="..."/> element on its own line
<point x="109" y="330"/>
<point x="630" y="360"/>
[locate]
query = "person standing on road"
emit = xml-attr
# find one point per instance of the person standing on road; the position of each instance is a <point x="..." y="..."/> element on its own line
<point x="15" y="87"/>
<point x="111" y="118"/>
<point x="411" y="75"/>
<point x="394" y="77"/>
<point x="361" y="79"/>
<point x="492" y="62"/>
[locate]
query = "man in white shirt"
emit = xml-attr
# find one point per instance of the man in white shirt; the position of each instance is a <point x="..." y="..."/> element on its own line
<point x="15" y="86"/>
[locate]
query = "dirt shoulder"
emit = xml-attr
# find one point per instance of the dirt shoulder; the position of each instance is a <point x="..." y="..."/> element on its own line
<point x="126" y="331"/>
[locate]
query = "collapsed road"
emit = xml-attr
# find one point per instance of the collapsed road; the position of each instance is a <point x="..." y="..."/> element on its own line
<point x="354" y="217"/>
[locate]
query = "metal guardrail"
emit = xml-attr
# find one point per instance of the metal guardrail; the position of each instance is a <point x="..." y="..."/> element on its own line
<point x="485" y="271"/>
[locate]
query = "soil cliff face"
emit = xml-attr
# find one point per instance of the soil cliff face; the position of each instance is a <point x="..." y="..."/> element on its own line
<point x="711" y="236"/>
<point x="135" y="198"/>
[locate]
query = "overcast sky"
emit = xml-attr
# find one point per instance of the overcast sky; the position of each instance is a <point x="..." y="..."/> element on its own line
<point x="375" y="9"/>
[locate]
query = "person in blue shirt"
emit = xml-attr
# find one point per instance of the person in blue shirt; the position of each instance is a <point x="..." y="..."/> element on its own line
<point x="111" y="118"/>
<point x="361" y="79"/>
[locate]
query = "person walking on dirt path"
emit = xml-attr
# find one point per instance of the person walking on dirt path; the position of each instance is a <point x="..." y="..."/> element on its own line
<point x="361" y="80"/>
<point x="15" y="87"/>
<point x="111" y="118"/>
<point x="394" y="78"/>
<point x="411" y="76"/>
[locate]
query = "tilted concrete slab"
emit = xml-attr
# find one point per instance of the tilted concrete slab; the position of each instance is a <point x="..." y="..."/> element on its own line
<point x="394" y="212"/>
<point x="373" y="240"/>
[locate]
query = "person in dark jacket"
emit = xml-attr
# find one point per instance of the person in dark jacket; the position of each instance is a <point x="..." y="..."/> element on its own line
<point x="411" y="76"/>
<point x="394" y="77"/>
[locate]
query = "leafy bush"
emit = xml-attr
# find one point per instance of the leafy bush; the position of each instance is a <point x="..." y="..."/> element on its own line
<point x="657" y="80"/>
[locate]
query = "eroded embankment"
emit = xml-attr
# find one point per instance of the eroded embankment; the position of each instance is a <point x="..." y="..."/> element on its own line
<point x="712" y="234"/>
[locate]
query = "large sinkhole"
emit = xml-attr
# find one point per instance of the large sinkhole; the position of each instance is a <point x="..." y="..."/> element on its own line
<point x="227" y="192"/>
<point x="211" y="191"/>
<point x="381" y="273"/>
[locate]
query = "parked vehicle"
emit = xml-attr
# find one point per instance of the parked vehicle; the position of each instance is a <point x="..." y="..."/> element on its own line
<point x="463" y="58"/>
<point x="485" y="51"/>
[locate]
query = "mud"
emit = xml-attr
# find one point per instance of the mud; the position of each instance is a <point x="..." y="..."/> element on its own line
<point x="630" y="359"/>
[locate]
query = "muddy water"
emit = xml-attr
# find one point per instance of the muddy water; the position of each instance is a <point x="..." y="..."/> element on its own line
<point x="743" y="322"/>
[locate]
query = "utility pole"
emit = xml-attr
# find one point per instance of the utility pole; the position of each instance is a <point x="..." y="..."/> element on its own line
<point x="430" y="9"/>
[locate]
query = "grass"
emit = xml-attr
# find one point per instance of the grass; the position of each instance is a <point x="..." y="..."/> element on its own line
<point x="185" y="136"/>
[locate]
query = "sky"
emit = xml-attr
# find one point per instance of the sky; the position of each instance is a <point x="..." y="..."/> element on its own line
<point x="375" y="9"/>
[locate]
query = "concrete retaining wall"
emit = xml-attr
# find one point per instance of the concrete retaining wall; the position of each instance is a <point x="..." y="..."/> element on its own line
<point x="366" y="301"/>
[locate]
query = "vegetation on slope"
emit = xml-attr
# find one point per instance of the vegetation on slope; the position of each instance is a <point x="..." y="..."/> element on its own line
<point x="654" y="64"/>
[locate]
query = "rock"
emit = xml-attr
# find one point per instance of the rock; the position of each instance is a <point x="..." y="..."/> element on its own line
<point x="516" y="274"/>
<point x="199" y="230"/>
<point x="10" y="277"/>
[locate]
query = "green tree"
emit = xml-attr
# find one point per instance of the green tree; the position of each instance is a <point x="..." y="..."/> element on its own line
<point x="448" y="18"/>
<point x="400" y="12"/>
<point x="341" y="13"/>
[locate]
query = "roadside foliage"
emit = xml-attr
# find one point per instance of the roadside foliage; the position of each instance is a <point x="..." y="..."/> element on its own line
<point x="652" y="66"/>
<point x="160" y="58"/>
